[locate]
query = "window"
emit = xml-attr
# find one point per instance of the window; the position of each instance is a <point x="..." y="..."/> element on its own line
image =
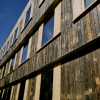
<point x="24" y="56"/>
<point x="28" y="16"/>
<point x="48" y="30"/>
<point x="21" y="92"/>
<point x="88" y="2"/>
<point x="15" y="34"/>
<point x="4" y="70"/>
<point x="46" y="85"/>
<point x="12" y="64"/>
<point x="7" y="46"/>
<point x="1" y="54"/>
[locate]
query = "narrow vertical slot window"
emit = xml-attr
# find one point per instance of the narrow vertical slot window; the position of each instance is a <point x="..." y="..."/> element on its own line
<point x="46" y="85"/>
<point x="48" y="30"/>
<point x="7" y="46"/>
<point x="21" y="92"/>
<point x="88" y="2"/>
<point x="15" y="34"/>
<point x="28" y="16"/>
<point x="24" y="56"/>
<point x="1" y="55"/>
<point x="12" y="64"/>
<point x="3" y="71"/>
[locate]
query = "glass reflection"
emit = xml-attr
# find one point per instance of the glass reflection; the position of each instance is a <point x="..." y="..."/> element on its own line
<point x="24" y="53"/>
<point x="48" y="31"/>
<point x="88" y="2"/>
<point x="28" y="16"/>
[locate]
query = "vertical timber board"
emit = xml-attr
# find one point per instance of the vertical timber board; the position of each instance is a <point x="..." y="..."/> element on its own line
<point x="31" y="89"/>
<point x="56" y="82"/>
<point x="26" y="89"/>
<point x="39" y="43"/>
<point x="37" y="90"/>
<point x="96" y="21"/>
<point x="57" y="18"/>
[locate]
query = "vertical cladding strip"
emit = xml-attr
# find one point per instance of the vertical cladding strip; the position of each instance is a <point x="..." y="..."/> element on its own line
<point x="29" y="47"/>
<point x="31" y="89"/>
<point x="57" y="19"/>
<point x="17" y="91"/>
<point x="15" y="60"/>
<point x="96" y="21"/>
<point x="89" y="78"/>
<point x="26" y="89"/>
<point x="56" y="82"/>
<point x="2" y="94"/>
<point x="9" y="65"/>
<point x="40" y="37"/>
<point x="37" y="91"/>
<point x="21" y="53"/>
<point x="11" y="93"/>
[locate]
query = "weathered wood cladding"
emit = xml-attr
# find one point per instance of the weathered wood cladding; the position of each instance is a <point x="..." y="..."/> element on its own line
<point x="83" y="31"/>
<point x="80" y="77"/>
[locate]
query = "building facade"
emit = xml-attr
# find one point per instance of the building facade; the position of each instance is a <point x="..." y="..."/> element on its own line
<point x="53" y="52"/>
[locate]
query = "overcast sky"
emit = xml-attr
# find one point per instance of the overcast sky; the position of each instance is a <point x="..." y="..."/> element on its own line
<point x="10" y="11"/>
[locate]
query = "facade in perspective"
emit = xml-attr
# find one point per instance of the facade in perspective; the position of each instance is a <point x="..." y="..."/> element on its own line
<point x="53" y="52"/>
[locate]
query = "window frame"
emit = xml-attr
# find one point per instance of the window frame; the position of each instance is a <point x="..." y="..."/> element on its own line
<point x="26" y="44"/>
<point x="30" y="8"/>
<point x="57" y="27"/>
<point x="13" y="64"/>
<point x="15" y="35"/>
<point x="45" y="22"/>
<point x="83" y="11"/>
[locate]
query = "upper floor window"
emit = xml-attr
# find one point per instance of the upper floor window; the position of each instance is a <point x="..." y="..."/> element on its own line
<point x="24" y="56"/>
<point x="15" y="34"/>
<point x="48" y="30"/>
<point x="12" y="64"/>
<point x="1" y="54"/>
<point x="28" y="16"/>
<point x="4" y="70"/>
<point x="88" y="2"/>
<point x="7" y="46"/>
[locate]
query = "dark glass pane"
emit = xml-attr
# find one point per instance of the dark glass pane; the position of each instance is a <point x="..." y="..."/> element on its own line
<point x="24" y="53"/>
<point x="12" y="64"/>
<point x="46" y="85"/>
<point x="21" y="92"/>
<point x="15" y="34"/>
<point x="7" y="46"/>
<point x="48" y="31"/>
<point x="4" y="71"/>
<point x="27" y="16"/>
<point x="88" y="2"/>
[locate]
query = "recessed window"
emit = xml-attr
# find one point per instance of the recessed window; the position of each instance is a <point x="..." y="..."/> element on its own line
<point x="15" y="34"/>
<point x="7" y="46"/>
<point x="28" y="16"/>
<point x="88" y="2"/>
<point x="12" y="64"/>
<point x="1" y="55"/>
<point x="4" y="70"/>
<point x="24" y="56"/>
<point x="46" y="85"/>
<point x="21" y="92"/>
<point x="48" y="30"/>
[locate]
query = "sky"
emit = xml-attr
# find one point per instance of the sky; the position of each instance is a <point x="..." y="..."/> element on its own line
<point x="10" y="11"/>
